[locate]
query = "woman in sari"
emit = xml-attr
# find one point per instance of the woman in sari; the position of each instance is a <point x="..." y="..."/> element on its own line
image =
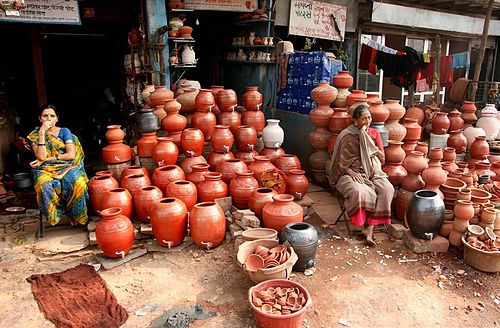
<point x="356" y="172"/>
<point x="60" y="179"/>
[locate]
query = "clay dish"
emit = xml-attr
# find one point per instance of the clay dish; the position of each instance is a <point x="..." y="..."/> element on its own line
<point x="254" y="262"/>
<point x="259" y="249"/>
<point x="282" y="292"/>
<point x="277" y="249"/>
<point x="277" y="306"/>
<point x="291" y="300"/>
<point x="271" y="256"/>
<point x="267" y="299"/>
<point x="293" y="294"/>
<point x="296" y="307"/>
<point x="255" y="294"/>
<point x="452" y="185"/>
<point x="257" y="302"/>
<point x="263" y="293"/>
<point x="271" y="291"/>
<point x="271" y="264"/>
<point x="490" y="233"/>
<point x="266" y="308"/>
<point x="282" y="301"/>
<point x="475" y="230"/>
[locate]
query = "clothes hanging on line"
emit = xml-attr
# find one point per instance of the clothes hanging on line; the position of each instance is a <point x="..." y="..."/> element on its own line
<point x="460" y="60"/>
<point x="380" y="47"/>
<point x="421" y="85"/>
<point x="445" y="72"/>
<point x="367" y="59"/>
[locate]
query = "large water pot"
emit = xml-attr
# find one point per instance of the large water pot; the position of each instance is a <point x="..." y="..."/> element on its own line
<point x="425" y="214"/>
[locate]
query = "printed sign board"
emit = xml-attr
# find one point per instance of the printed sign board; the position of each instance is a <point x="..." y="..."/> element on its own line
<point x="46" y="12"/>
<point x="223" y="5"/>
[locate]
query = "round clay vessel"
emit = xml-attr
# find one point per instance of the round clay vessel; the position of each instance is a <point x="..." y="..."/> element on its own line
<point x="133" y="169"/>
<point x="241" y="187"/>
<point x="135" y="182"/>
<point x="162" y="176"/>
<point x="246" y="137"/>
<point x="260" y="165"/>
<point x="212" y="187"/>
<point x="440" y="123"/>
<point x="413" y="129"/>
<point x="208" y="225"/>
<point x="296" y="183"/>
<point x="343" y="80"/>
<point x="173" y="122"/>
<point x="339" y="120"/>
<point x="114" y="233"/>
<point x="380" y="113"/>
<point x="395" y="171"/>
<point x="187" y="163"/>
<point x="165" y="152"/>
<point x="324" y="93"/>
<point x="144" y="200"/>
<point x="187" y="99"/>
<point x="114" y="134"/>
<point x="320" y="116"/>
<point x="287" y="162"/>
<point x="118" y="197"/>
<point x="232" y="119"/>
<point x="458" y="141"/>
<point x="281" y="211"/>
<point x="415" y="113"/>
<point x="355" y="94"/>
<point x="169" y="221"/>
<point x="183" y="190"/>
<point x="393" y="152"/>
<point x="146" y="143"/>
<point x="259" y="198"/>
<point x="247" y="156"/>
<point x="222" y="139"/>
<point x="252" y="98"/>
<point x="205" y="121"/>
<point x="479" y="148"/>
<point x="272" y="153"/>
<point x="228" y="168"/>
<point x="160" y="95"/>
<point x="215" y="158"/>
<point x="422" y="147"/>
<point x="97" y="187"/>
<point x="197" y="173"/>
<point x="415" y="162"/>
<point x="204" y="100"/>
<point x="318" y="138"/>
<point x="463" y="210"/>
<point x="192" y="140"/>
<point x="456" y="122"/>
<point x="226" y="100"/>
<point x="257" y="119"/>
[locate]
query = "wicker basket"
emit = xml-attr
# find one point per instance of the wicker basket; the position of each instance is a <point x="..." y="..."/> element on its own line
<point x="481" y="260"/>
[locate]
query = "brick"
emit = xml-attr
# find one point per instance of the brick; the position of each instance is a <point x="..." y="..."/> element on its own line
<point x="92" y="238"/>
<point x="396" y="230"/>
<point x="250" y="221"/>
<point x="146" y="229"/>
<point x="438" y="244"/>
<point x="91" y="226"/>
<point x="235" y="230"/>
<point x="238" y="214"/>
<point x="225" y="203"/>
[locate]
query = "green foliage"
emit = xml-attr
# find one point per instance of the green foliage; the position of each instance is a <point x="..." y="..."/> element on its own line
<point x="309" y="43"/>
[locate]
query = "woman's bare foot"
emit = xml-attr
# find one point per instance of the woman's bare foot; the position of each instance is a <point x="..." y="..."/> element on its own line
<point x="369" y="235"/>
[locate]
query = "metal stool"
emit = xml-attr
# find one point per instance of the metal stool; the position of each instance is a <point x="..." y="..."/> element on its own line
<point x="343" y="214"/>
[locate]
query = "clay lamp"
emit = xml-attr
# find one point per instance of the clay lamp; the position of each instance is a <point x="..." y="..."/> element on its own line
<point x="257" y="302"/>
<point x="282" y="301"/>
<point x="277" y="249"/>
<point x="254" y="263"/>
<point x="291" y="300"/>
<point x="267" y="308"/>
<point x="271" y="291"/>
<point x="281" y="293"/>
<point x="490" y="233"/>
<point x="475" y="230"/>
<point x="296" y="307"/>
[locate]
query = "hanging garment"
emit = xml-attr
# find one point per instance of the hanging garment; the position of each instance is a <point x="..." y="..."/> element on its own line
<point x="460" y="60"/>
<point x="445" y="72"/>
<point x="367" y="59"/>
<point x="410" y="65"/>
<point x="380" y="47"/>
<point x="421" y="85"/>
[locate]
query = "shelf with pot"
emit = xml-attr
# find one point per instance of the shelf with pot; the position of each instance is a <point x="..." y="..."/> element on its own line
<point x="254" y="21"/>
<point x="182" y="40"/>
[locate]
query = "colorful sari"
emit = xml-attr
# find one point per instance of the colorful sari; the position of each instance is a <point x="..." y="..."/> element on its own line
<point x="61" y="186"/>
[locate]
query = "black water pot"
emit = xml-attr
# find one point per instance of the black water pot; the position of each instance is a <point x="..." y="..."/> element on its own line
<point x="425" y="214"/>
<point x="304" y="240"/>
<point x="147" y="121"/>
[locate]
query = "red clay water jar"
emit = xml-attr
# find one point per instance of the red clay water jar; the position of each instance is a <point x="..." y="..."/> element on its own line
<point x="355" y="94"/>
<point x="192" y="140"/>
<point x="252" y="99"/>
<point x="222" y="139"/>
<point x="343" y="80"/>
<point x="184" y="190"/>
<point x="165" y="152"/>
<point x="169" y="222"/>
<point x="320" y="116"/>
<point x="440" y="123"/>
<point x="257" y="119"/>
<point x="272" y="153"/>
<point x="133" y="169"/>
<point x="287" y="162"/>
<point x="173" y="122"/>
<point x="281" y="211"/>
<point x="413" y="129"/>
<point x="215" y="158"/>
<point x="118" y="197"/>
<point x="296" y="183"/>
<point x="324" y="93"/>
<point x="114" y="233"/>
<point x="98" y="186"/>
<point x="260" y="165"/>
<point x="144" y="200"/>
<point x="212" y="187"/>
<point x="380" y="113"/>
<point x="247" y="156"/>
<point x="146" y="143"/>
<point x="188" y="162"/>
<point x="339" y="120"/>
<point x="204" y="100"/>
<point x="456" y="122"/>
<point x="415" y="162"/>
<point x="134" y="182"/>
<point x="479" y="148"/>
<point x="458" y="141"/>
<point x="228" y="168"/>
<point x="318" y="138"/>
<point x="393" y="152"/>
<point x="162" y="176"/>
<point x="395" y="171"/>
<point x="231" y="119"/>
<point x="198" y="171"/>
<point x="241" y="187"/>
<point x="226" y="100"/>
<point x="208" y="225"/>
<point x="415" y="113"/>
<point x="160" y="95"/>
<point x="422" y="147"/>
<point x="205" y="121"/>
<point x="259" y="198"/>
<point x="246" y="137"/>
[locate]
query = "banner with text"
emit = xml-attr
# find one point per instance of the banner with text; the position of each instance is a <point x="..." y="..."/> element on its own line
<point x="46" y="12"/>
<point x="317" y="19"/>
<point x="224" y="5"/>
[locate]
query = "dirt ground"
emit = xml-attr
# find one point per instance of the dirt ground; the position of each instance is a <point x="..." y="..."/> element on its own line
<point x="352" y="285"/>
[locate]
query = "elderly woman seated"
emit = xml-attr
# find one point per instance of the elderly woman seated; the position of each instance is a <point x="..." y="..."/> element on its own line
<point x="356" y="172"/>
<point x="60" y="179"/>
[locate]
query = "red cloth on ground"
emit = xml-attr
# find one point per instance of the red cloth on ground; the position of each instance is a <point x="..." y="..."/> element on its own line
<point x="77" y="297"/>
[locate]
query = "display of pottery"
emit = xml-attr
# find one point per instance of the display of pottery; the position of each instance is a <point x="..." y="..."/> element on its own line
<point x="114" y="233"/>
<point x="116" y="152"/>
<point x="169" y="221"/>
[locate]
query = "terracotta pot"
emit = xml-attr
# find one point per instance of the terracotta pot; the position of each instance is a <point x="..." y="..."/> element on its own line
<point x="146" y="143"/>
<point x="380" y="113"/>
<point x="198" y="172"/>
<point x="222" y="139"/>
<point x="115" y="134"/>
<point x="324" y="94"/>
<point x="176" y="139"/>
<point x="215" y="158"/>
<point x="440" y="123"/>
<point x="343" y="80"/>
<point x="169" y="221"/>
<point x="173" y="122"/>
<point x="160" y="95"/>
<point x="449" y="154"/>
<point x="135" y="182"/>
<point x="247" y="156"/>
<point x="468" y="110"/>
<point x="415" y="162"/>
<point x="260" y="165"/>
<point x="114" y="233"/>
<point x="402" y="199"/>
<point x="436" y="154"/>
<point x="98" y="186"/>
<point x="273" y="135"/>
<point x="133" y="169"/>
<point x="228" y="168"/>
<point x="183" y="190"/>
<point x="204" y="100"/>
<point x="297" y="183"/>
<point x="118" y="197"/>
<point x="471" y="133"/>
<point x="162" y="176"/>
<point x="463" y="210"/>
<point x="393" y="152"/>
<point x="408" y="146"/>
<point x="215" y="90"/>
<point x="277" y="214"/>
<point x="257" y="119"/>
<point x="318" y="159"/>
<point x="457" y="141"/>
<point x="318" y="138"/>
<point x="165" y="152"/>
<point x="252" y="99"/>
<point x="479" y="148"/>
<point x="212" y="187"/>
<point x="104" y="173"/>
<point x="231" y="119"/>
<point x="396" y="111"/>
<point x="415" y="113"/>
<point x="241" y="187"/>
<point x="396" y="172"/>
<point x="456" y="122"/>
<point x="208" y="225"/>
<point x="116" y="153"/>
<point x="206" y="122"/>
<point x="246" y="137"/>
<point x="187" y="100"/>
<point x="446" y="228"/>
<point x="484" y="169"/>
<point x="172" y="106"/>
<point x="496" y="170"/>
<point x="397" y="132"/>
<point x="287" y="162"/>
<point x="355" y="94"/>
<point x="412" y="182"/>
<point x="144" y="200"/>
<point x="413" y="129"/>
<point x="339" y="120"/>
<point x="192" y="142"/>
<point x="341" y="99"/>
<point x="422" y="147"/>
<point x="272" y="153"/>
<point x="434" y="174"/>
<point x="357" y="102"/>
<point x="188" y="162"/>
<point x="226" y="100"/>
<point x="259" y="198"/>
<point x="320" y="116"/>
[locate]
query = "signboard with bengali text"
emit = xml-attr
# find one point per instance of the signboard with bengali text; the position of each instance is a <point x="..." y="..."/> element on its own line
<point x="317" y="19"/>
<point x="222" y="5"/>
<point x="46" y="12"/>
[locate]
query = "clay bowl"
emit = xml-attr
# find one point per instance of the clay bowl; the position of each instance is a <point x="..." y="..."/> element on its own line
<point x="278" y="249"/>
<point x="185" y="32"/>
<point x="452" y="185"/>
<point x="490" y="233"/>
<point x="475" y="230"/>
<point x="261" y="250"/>
<point x="479" y="195"/>
<point x="254" y="262"/>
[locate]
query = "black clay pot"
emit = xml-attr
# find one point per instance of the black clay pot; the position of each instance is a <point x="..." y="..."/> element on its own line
<point x="147" y="121"/>
<point x="304" y="240"/>
<point x="425" y="214"/>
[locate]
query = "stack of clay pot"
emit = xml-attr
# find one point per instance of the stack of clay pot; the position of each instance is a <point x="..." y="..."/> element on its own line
<point x="342" y="81"/>
<point x="468" y="110"/>
<point x="457" y="139"/>
<point x="394" y="157"/>
<point x="147" y="125"/>
<point x="222" y="141"/>
<point x="380" y="114"/>
<point x="158" y="97"/>
<point x="463" y="212"/>
<point x="186" y="95"/>
<point x="489" y="122"/>
<point x="324" y="94"/>
<point x="451" y="190"/>
<point x="479" y="151"/>
<point x="226" y="102"/>
<point x="246" y="138"/>
<point x="439" y="133"/>
<point x="116" y="152"/>
<point x="174" y="122"/>
<point x="415" y="164"/>
<point x="413" y="134"/>
<point x="253" y="115"/>
<point x="397" y="132"/>
<point x="273" y="137"/>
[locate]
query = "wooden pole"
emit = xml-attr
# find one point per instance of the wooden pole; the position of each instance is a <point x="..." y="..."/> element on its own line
<point x="480" y="56"/>
<point x="436" y="86"/>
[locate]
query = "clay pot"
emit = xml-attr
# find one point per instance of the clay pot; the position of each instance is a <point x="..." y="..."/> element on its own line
<point x="318" y="138"/>
<point x="241" y="187"/>
<point x="252" y="99"/>
<point x="479" y="148"/>
<point x="183" y="190"/>
<point x="192" y="142"/>
<point x="198" y="172"/>
<point x="471" y="133"/>
<point x="297" y="183"/>
<point x="458" y="141"/>
<point x="415" y="113"/>
<point x="287" y="162"/>
<point x="165" y="152"/>
<point x="118" y="197"/>
<point x="106" y="173"/>
<point x="341" y="99"/>
<point x="147" y="121"/>
<point x="135" y="182"/>
<point x="114" y="233"/>
<point x="463" y="210"/>
<point x="484" y="169"/>
<point x="232" y="119"/>
<point x="204" y="100"/>
<point x="324" y="94"/>
<point x="272" y="153"/>
<point x="273" y="135"/>
<point x="415" y="162"/>
<point x="393" y="152"/>
<point x="425" y="214"/>
<point x="342" y="80"/>
<point x="160" y="95"/>
<point x="144" y="200"/>
<point x="408" y="146"/>
<point x="117" y="153"/>
<point x="114" y="134"/>
<point x="440" y="123"/>
<point x="169" y="222"/>
<point x="208" y="225"/>
<point x="339" y="120"/>
<point x="395" y="171"/>
<point x="422" y="147"/>
<point x="456" y="122"/>
<point x="402" y="199"/>
<point x="98" y="186"/>
<point x="215" y="90"/>
<point x="173" y="122"/>
<point x="380" y="113"/>
<point x="247" y="156"/>
<point x="212" y="187"/>
<point x="397" y="132"/>
<point x="162" y="176"/>
<point x="257" y="119"/>
<point x="446" y="227"/>
<point x="449" y="154"/>
<point x="277" y="214"/>
<point x="436" y="154"/>
<point x="396" y="111"/>
<point x="318" y="160"/>
<point x="215" y="158"/>
<point x="434" y="174"/>
<point x="133" y="169"/>
<point x="357" y="102"/>
<point x="146" y="143"/>
<point x="246" y="137"/>
<point x="355" y="94"/>
<point x="320" y="116"/>
<point x="188" y="162"/>
<point x="260" y="166"/>
<point x="496" y="170"/>
<point x="187" y="99"/>
<point x="259" y="198"/>
<point x="412" y="182"/>
<point x="226" y="100"/>
<point x="489" y="122"/>
<point x="185" y="32"/>
<point x="228" y="168"/>
<point x="413" y="129"/>
<point x="176" y="139"/>
<point x="222" y="139"/>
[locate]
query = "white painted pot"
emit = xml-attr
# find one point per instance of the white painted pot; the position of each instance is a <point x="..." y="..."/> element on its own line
<point x="273" y="135"/>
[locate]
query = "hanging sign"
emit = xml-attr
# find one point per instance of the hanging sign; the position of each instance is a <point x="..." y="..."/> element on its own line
<point x="317" y="19"/>
<point x="222" y="5"/>
<point x="46" y="12"/>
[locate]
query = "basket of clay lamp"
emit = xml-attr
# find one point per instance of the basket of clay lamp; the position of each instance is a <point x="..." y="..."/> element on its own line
<point x="266" y="259"/>
<point x="483" y="255"/>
